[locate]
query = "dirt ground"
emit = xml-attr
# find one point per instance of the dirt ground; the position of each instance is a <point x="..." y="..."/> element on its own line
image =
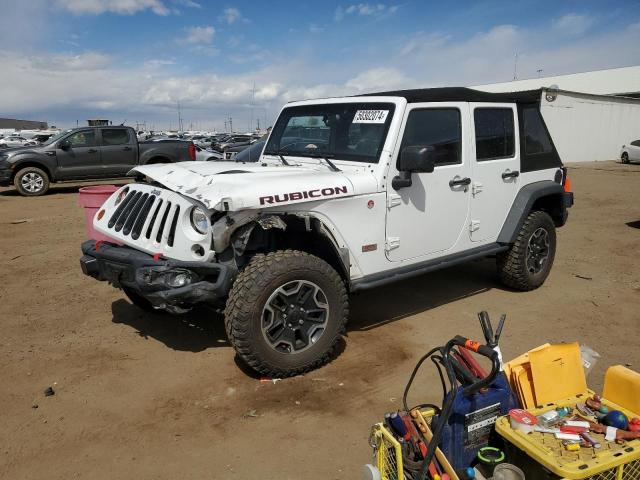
<point x="151" y="396"/>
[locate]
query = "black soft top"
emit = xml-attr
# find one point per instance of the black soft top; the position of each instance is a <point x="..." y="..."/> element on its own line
<point x="461" y="94"/>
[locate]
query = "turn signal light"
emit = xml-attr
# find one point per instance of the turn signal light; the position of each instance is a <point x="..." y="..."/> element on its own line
<point x="567" y="184"/>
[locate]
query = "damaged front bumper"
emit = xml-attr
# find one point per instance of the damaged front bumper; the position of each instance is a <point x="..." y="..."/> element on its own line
<point x="172" y="285"/>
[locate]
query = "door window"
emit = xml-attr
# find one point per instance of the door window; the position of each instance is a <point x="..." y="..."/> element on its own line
<point x="83" y="138"/>
<point x="495" y="136"/>
<point x="636" y="143"/>
<point x="115" y="136"/>
<point x="440" y="128"/>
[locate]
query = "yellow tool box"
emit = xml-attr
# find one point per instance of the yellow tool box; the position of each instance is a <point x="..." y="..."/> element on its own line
<point x="388" y="454"/>
<point x="542" y="456"/>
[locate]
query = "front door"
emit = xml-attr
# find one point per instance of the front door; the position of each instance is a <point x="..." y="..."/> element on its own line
<point x="82" y="157"/>
<point x="119" y="151"/>
<point x="430" y="215"/>
<point x="495" y="168"/>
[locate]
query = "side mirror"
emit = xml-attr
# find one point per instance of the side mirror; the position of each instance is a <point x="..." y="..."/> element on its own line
<point x="64" y="144"/>
<point x="413" y="159"/>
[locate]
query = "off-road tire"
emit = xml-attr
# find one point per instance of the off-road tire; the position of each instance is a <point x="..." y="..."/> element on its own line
<point x="625" y="157"/>
<point x="24" y="191"/>
<point x="139" y="301"/>
<point x="253" y="287"/>
<point x="512" y="264"/>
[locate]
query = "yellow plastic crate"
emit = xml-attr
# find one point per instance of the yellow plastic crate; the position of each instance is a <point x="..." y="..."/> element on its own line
<point x="612" y="461"/>
<point x="388" y="453"/>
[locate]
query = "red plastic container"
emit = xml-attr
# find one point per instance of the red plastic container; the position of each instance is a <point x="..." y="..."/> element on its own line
<point x="91" y="199"/>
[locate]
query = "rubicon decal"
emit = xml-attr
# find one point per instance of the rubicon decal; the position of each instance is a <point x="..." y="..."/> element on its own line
<point x="307" y="194"/>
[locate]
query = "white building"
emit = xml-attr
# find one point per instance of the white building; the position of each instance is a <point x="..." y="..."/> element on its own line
<point x="590" y="115"/>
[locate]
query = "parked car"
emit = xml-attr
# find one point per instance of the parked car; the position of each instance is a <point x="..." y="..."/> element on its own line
<point x="630" y="152"/>
<point x="202" y="154"/>
<point x="233" y="141"/>
<point x="246" y="154"/>
<point x="86" y="153"/>
<point x="412" y="181"/>
<point x="14" y="141"/>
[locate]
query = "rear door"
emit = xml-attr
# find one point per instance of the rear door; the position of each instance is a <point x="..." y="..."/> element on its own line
<point x="82" y="158"/>
<point x="119" y="150"/>
<point x="495" y="166"/>
<point x="430" y="215"/>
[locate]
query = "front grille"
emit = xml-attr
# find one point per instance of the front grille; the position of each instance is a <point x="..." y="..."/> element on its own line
<point x="154" y="220"/>
<point x="130" y="217"/>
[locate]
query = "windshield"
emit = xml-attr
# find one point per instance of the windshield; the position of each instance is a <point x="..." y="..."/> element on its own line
<point x="56" y="137"/>
<point x="348" y="131"/>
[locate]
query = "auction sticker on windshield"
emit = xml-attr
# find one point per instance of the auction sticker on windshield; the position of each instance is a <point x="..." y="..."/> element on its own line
<point x="370" y="116"/>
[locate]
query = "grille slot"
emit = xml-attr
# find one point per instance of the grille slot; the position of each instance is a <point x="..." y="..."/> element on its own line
<point x="134" y="214"/>
<point x="162" y="222"/>
<point x="123" y="204"/>
<point x="146" y="208"/>
<point x="153" y="218"/>
<point x="172" y="228"/>
<point x="126" y="211"/>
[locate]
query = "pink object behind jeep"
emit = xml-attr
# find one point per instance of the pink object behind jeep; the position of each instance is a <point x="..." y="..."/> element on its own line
<point x="91" y="199"/>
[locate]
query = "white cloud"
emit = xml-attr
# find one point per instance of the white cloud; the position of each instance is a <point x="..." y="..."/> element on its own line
<point x="313" y="28"/>
<point x="364" y="10"/>
<point x="199" y="35"/>
<point x="573" y="24"/>
<point x="232" y="15"/>
<point x="187" y="3"/>
<point x="380" y="78"/>
<point x="122" y="7"/>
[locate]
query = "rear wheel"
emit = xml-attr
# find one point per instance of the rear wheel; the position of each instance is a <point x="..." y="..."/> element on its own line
<point x="527" y="263"/>
<point x="625" y="157"/>
<point x="286" y="312"/>
<point x="31" y="182"/>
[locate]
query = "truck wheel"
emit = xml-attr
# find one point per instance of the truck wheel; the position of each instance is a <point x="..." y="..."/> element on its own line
<point x="527" y="263"/>
<point x="286" y="312"/>
<point x="625" y="157"/>
<point x="31" y="182"/>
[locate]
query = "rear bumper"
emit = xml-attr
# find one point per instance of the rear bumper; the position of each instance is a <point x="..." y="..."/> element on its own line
<point x="567" y="202"/>
<point x="154" y="280"/>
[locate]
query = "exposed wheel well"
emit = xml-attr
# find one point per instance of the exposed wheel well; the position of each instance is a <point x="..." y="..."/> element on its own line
<point x="552" y="205"/>
<point x="156" y="160"/>
<point x="307" y="235"/>
<point x="24" y="165"/>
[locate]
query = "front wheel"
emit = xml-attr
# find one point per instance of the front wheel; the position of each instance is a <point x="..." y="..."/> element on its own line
<point x="625" y="157"/>
<point x="527" y="263"/>
<point x="31" y="182"/>
<point x="286" y="313"/>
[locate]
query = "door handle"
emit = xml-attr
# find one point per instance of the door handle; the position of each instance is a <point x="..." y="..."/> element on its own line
<point x="127" y="149"/>
<point x="92" y="150"/>
<point x="463" y="181"/>
<point x="513" y="174"/>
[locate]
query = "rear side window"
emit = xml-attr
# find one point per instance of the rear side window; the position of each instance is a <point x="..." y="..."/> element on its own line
<point x="536" y="138"/>
<point x="115" y="136"/>
<point x="440" y="128"/>
<point x="495" y="136"/>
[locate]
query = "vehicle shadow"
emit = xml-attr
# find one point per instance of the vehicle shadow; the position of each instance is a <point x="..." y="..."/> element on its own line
<point x="387" y="304"/>
<point x="203" y="328"/>
<point x="635" y="224"/>
<point x="64" y="188"/>
<point x="194" y="331"/>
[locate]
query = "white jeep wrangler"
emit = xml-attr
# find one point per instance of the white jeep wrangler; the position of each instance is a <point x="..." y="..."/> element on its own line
<point x="350" y="193"/>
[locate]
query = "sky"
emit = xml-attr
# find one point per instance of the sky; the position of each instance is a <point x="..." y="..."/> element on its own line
<point x="133" y="61"/>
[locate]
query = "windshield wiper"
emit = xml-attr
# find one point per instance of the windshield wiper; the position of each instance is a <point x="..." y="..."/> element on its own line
<point x="279" y="153"/>
<point x="330" y="164"/>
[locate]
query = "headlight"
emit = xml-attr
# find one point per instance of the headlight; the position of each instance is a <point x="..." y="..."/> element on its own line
<point x="200" y="220"/>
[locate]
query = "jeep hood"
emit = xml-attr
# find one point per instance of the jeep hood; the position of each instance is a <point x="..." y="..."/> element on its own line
<point x="235" y="186"/>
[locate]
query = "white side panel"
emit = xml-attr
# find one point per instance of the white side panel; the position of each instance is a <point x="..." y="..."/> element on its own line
<point x="586" y="128"/>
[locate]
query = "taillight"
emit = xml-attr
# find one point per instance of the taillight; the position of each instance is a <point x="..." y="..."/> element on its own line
<point x="192" y="151"/>
<point x="566" y="183"/>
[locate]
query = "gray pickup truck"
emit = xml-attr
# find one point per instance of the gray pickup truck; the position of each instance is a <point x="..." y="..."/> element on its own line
<point x="88" y="153"/>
